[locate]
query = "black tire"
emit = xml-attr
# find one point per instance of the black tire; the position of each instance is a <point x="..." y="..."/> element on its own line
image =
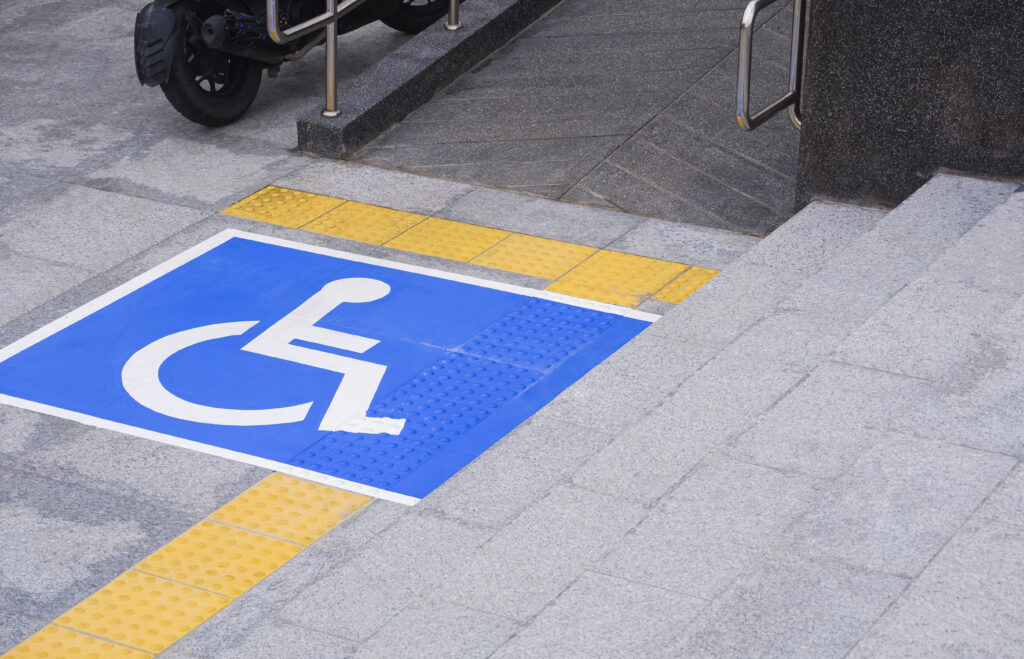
<point x="207" y="86"/>
<point x="414" y="16"/>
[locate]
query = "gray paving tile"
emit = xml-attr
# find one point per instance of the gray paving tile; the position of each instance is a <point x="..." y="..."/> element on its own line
<point x="827" y="421"/>
<point x="966" y="602"/>
<point x="486" y="82"/>
<point x="657" y="307"/>
<point x="644" y="461"/>
<point x="728" y="305"/>
<point x="634" y="194"/>
<point x="522" y="152"/>
<point x="979" y="401"/>
<point x="30" y="281"/>
<point x="582" y="125"/>
<point x="140" y="469"/>
<point x="700" y="25"/>
<point x="601" y="616"/>
<point x="61" y="542"/>
<point x="941" y="211"/>
<point x="371" y="185"/>
<point x="56" y="148"/>
<point x="257" y="610"/>
<point x="1006" y="504"/>
<point x="428" y="628"/>
<point x="723" y="515"/>
<point x="272" y="639"/>
<point x="361" y="595"/>
<point x="217" y="173"/>
<point x="694" y="245"/>
<point x="15" y="186"/>
<point x="530" y="561"/>
<point x="988" y="256"/>
<point x="798" y="339"/>
<point x="791" y="606"/>
<point x="653" y="165"/>
<point x="717" y="401"/>
<point x="859" y="280"/>
<point x="899" y="504"/>
<point x="515" y="472"/>
<point x="813" y="237"/>
<point x="551" y="177"/>
<point x="89" y="229"/>
<point x="623" y="389"/>
<point x="445" y="109"/>
<point x="924" y="329"/>
<point x="539" y="217"/>
<point x="739" y="172"/>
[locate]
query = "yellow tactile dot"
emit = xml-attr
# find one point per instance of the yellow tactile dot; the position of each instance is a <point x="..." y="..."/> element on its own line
<point x="685" y="285"/>
<point x="623" y="273"/>
<point x="143" y="611"/>
<point x="288" y="208"/>
<point x="55" y="643"/>
<point x="530" y="255"/>
<point x="365" y="223"/>
<point x="220" y="558"/>
<point x="597" y="294"/>
<point x="290" y="508"/>
<point x="456" y="241"/>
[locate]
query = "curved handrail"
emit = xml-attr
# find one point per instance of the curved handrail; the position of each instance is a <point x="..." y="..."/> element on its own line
<point x="792" y="98"/>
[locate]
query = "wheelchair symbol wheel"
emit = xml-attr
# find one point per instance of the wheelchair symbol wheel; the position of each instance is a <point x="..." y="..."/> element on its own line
<point x="348" y="408"/>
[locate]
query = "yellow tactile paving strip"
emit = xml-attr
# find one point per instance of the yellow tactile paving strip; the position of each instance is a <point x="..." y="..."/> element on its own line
<point x="188" y="580"/>
<point x="606" y="276"/>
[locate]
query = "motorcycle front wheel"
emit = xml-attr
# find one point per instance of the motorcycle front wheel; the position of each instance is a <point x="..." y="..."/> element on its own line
<point x="414" y="16"/>
<point x="207" y="86"/>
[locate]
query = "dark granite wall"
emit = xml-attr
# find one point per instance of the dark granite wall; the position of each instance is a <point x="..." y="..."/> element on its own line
<point x="896" y="89"/>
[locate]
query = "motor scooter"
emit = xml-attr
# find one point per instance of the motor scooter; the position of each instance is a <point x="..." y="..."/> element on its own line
<point x="208" y="56"/>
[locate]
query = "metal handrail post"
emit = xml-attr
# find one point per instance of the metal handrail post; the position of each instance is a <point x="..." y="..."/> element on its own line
<point x="453" y="22"/>
<point x="331" y="57"/>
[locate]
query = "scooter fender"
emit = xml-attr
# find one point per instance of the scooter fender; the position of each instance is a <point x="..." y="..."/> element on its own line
<point x="155" y="28"/>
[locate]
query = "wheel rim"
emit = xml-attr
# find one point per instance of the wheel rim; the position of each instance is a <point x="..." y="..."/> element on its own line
<point x="214" y="73"/>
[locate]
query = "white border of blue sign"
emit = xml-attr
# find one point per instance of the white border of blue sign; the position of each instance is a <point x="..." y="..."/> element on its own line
<point x="184" y="257"/>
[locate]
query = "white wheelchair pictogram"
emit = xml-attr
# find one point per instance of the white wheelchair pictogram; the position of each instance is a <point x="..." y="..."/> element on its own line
<point x="348" y="408"/>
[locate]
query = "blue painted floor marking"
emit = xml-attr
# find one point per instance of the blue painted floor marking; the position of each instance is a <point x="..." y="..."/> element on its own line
<point x="388" y="380"/>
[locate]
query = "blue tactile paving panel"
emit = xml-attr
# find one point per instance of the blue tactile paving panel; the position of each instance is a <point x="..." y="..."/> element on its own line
<point x="444" y="365"/>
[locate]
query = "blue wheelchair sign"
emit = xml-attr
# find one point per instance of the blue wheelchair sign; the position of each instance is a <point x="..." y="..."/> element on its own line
<point x="373" y="376"/>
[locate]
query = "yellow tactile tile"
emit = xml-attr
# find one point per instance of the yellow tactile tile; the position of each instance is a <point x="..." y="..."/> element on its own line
<point x="290" y="508"/>
<point x="365" y="223"/>
<point x="590" y="293"/>
<point x="282" y="206"/>
<point x="685" y="284"/>
<point x="530" y="255"/>
<point x="143" y="611"/>
<point x="456" y="241"/>
<point x="55" y="643"/>
<point x="623" y="273"/>
<point x="220" y="558"/>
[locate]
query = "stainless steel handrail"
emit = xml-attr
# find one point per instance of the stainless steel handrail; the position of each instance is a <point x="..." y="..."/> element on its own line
<point x="328" y="22"/>
<point x="333" y="12"/>
<point x="792" y="98"/>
